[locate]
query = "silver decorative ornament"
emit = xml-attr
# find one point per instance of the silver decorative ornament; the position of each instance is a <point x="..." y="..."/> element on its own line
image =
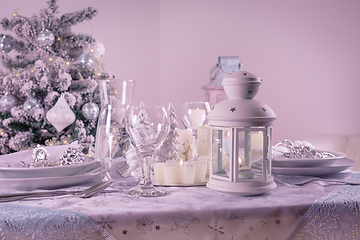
<point x="86" y="62"/>
<point x="40" y="154"/>
<point x="30" y="106"/>
<point x="5" y="43"/>
<point x="8" y="101"/>
<point x="71" y="156"/>
<point x="46" y="38"/>
<point x="90" y="110"/>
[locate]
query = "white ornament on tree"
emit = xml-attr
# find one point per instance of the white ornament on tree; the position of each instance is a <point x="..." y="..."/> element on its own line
<point x="97" y="49"/>
<point x="60" y="115"/>
<point x="8" y="101"/>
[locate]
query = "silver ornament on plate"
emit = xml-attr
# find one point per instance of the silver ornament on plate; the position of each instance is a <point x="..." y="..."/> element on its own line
<point x="40" y="154"/>
<point x="8" y="101"/>
<point x="60" y="115"/>
<point x="90" y="110"/>
<point x="46" y="38"/>
<point x="30" y="106"/>
<point x="72" y="156"/>
<point x="86" y="62"/>
<point x="5" y="43"/>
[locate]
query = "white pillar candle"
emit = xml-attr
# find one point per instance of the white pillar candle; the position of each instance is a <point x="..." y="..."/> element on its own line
<point x="186" y="144"/>
<point x="200" y="174"/>
<point x="197" y="117"/>
<point x="203" y="135"/>
<point x="172" y="173"/>
<point x="159" y="172"/>
<point x="188" y="171"/>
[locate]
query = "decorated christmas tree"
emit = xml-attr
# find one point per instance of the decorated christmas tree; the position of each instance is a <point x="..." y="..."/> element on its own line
<point x="169" y="150"/>
<point x="49" y="92"/>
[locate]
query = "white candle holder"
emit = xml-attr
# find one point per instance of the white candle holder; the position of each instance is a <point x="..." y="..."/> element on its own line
<point x="240" y="127"/>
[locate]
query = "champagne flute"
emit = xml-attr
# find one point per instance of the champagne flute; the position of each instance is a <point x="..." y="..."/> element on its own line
<point x="147" y="127"/>
<point x="193" y="116"/>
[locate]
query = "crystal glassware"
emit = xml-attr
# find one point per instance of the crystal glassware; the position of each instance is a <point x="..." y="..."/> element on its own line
<point x="147" y="127"/>
<point x="193" y="116"/>
<point x="112" y="144"/>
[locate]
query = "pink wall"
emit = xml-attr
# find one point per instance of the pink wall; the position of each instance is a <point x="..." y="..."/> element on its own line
<point x="307" y="53"/>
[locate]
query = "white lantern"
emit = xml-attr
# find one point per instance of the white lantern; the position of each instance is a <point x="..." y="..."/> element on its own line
<point x="240" y="135"/>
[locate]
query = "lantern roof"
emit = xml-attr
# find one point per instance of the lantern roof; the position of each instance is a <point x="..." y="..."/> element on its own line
<point x="241" y="110"/>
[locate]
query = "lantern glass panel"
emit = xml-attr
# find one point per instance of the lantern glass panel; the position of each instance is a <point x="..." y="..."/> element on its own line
<point x="250" y="145"/>
<point x="221" y="151"/>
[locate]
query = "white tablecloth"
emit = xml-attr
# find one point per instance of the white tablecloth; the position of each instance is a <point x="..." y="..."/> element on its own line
<point x="186" y="213"/>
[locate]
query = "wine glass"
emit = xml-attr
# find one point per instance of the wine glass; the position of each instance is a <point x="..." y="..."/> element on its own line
<point x="112" y="146"/>
<point x="147" y="127"/>
<point x="193" y="116"/>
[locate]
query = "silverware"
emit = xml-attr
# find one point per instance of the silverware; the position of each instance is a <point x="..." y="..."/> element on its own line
<point x="319" y="180"/>
<point x="83" y="194"/>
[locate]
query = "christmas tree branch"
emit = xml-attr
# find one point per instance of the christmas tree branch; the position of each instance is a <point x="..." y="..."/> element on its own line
<point x="53" y="6"/>
<point x="71" y="19"/>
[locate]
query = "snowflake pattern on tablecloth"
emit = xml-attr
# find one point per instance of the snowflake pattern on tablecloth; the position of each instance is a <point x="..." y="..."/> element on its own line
<point x="237" y="218"/>
<point x="106" y="222"/>
<point x="80" y="209"/>
<point x="183" y="220"/>
<point x="66" y="202"/>
<point x="144" y="224"/>
<point x="265" y="222"/>
<point x="98" y="203"/>
<point x="216" y="229"/>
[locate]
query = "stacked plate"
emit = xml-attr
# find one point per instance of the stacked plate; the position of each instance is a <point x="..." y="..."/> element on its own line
<point x="13" y="174"/>
<point x="308" y="166"/>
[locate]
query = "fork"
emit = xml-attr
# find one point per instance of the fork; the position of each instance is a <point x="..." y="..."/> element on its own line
<point x="307" y="182"/>
<point x="87" y="193"/>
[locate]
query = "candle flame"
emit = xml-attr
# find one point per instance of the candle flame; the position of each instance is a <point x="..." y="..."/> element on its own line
<point x="181" y="161"/>
<point x="240" y="162"/>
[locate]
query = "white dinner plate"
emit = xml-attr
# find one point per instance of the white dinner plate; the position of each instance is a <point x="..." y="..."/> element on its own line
<point x="337" y="166"/>
<point x="43" y="172"/>
<point x="45" y="183"/>
<point x="306" y="162"/>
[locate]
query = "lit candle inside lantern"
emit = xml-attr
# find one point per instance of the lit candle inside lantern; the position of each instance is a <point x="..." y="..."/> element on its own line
<point x="197" y="117"/>
<point x="244" y="171"/>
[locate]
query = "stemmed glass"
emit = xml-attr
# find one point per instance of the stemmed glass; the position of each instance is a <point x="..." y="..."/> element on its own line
<point x="193" y="116"/>
<point x="147" y="127"/>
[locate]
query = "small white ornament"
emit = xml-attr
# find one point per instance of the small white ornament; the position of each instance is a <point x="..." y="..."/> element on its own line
<point x="8" y="101"/>
<point x="60" y="115"/>
<point x="97" y="49"/>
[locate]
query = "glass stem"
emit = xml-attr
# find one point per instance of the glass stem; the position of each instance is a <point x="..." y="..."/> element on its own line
<point x="146" y="170"/>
